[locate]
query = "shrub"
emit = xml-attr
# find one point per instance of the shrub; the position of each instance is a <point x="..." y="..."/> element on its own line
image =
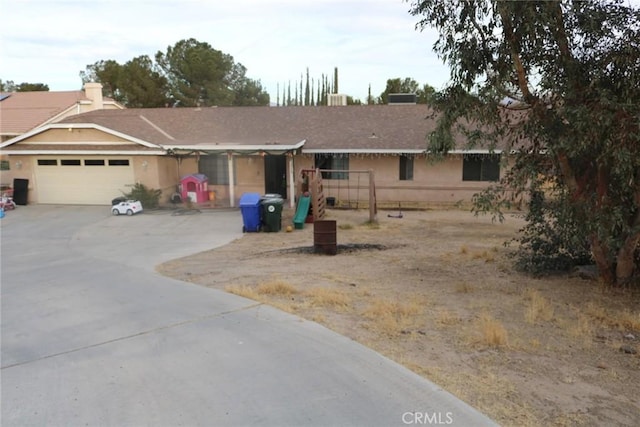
<point x="149" y="197"/>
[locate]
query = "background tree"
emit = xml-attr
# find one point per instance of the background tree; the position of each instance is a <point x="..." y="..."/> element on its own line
<point x="557" y="82"/>
<point x="197" y="74"/>
<point x="108" y="72"/>
<point x="135" y="84"/>
<point x="407" y="85"/>
<point x="10" y="86"/>
<point x="189" y="73"/>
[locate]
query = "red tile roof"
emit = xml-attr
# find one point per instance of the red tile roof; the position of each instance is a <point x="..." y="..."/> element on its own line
<point x="23" y="111"/>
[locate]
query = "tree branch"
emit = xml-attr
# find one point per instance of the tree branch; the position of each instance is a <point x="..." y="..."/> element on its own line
<point x="510" y="37"/>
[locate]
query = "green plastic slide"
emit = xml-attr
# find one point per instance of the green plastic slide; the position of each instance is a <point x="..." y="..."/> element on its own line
<point x="301" y="212"/>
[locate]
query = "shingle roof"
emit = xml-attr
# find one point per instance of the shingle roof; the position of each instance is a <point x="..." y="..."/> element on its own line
<point x="22" y="111"/>
<point x="370" y="127"/>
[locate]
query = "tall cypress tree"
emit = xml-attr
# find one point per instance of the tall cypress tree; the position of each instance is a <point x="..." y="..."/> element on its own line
<point x="313" y="101"/>
<point x="307" y="97"/>
<point x="289" y="93"/>
<point x="335" y="80"/>
<point x="301" y="93"/>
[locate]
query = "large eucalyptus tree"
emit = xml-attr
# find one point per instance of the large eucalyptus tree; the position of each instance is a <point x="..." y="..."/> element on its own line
<point x="557" y="83"/>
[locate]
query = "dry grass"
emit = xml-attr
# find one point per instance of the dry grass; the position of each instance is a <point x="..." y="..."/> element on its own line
<point x="243" y="291"/>
<point x="483" y="336"/>
<point x="624" y="320"/>
<point x="487" y="256"/>
<point x="492" y="331"/>
<point x="464" y="288"/>
<point x="327" y="297"/>
<point x="538" y="307"/>
<point x="447" y="318"/>
<point x="346" y="226"/>
<point x="276" y="287"/>
<point x="392" y="318"/>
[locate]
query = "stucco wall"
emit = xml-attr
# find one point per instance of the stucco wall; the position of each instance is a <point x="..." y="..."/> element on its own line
<point x="21" y="167"/>
<point x="433" y="184"/>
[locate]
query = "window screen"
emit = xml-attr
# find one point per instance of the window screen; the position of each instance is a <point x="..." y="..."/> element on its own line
<point x="406" y="168"/>
<point x="333" y="161"/>
<point x="216" y="168"/>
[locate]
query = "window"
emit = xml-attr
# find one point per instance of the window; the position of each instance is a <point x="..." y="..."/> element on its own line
<point x="406" y="168"/>
<point x="333" y="161"/>
<point x="481" y="167"/>
<point x="5" y="165"/>
<point x="94" y="162"/>
<point x="118" y="162"/>
<point x="70" y="162"/>
<point x="216" y="168"/>
<point x="47" y="162"/>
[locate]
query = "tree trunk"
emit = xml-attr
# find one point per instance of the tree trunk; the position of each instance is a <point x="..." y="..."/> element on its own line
<point x="626" y="260"/>
<point x="604" y="264"/>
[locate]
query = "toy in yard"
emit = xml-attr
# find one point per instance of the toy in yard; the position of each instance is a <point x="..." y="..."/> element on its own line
<point x="399" y="214"/>
<point x="127" y="207"/>
<point x="302" y="211"/>
<point x="7" y="203"/>
<point x="313" y="181"/>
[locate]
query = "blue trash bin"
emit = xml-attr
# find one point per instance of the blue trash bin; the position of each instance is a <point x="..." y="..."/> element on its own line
<point x="250" y="208"/>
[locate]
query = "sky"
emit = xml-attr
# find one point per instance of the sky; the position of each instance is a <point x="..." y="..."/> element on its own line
<point x="369" y="41"/>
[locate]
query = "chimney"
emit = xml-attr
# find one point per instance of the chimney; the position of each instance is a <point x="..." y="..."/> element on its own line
<point x="93" y="91"/>
<point x="336" y="100"/>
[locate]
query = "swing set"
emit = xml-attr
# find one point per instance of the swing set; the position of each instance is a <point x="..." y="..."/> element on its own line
<point x="323" y="196"/>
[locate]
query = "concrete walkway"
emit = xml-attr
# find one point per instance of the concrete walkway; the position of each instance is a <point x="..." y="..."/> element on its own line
<point x="92" y="335"/>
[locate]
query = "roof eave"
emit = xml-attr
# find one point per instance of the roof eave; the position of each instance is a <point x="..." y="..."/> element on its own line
<point x="224" y="147"/>
<point x="85" y="152"/>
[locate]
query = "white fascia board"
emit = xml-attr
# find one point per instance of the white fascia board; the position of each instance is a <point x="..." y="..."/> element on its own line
<point x="362" y="151"/>
<point x="85" y="153"/>
<point x="237" y="147"/>
<point x="476" y="151"/>
<point x="391" y="151"/>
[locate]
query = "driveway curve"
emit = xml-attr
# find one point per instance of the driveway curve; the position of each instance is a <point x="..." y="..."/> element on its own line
<point x="92" y="335"/>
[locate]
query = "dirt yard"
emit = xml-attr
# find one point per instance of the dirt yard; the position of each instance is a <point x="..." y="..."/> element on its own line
<point x="436" y="292"/>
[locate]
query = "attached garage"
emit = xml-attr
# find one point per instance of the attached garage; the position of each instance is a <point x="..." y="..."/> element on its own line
<point x="88" y="180"/>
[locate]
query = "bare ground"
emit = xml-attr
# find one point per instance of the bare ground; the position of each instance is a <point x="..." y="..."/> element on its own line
<point x="436" y="291"/>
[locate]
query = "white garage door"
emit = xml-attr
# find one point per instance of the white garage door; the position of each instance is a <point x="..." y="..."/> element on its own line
<point x="82" y="180"/>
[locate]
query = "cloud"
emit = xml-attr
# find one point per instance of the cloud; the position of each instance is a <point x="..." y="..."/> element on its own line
<point x="51" y="41"/>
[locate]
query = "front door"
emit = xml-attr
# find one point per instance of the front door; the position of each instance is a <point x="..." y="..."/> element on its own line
<point x="275" y="175"/>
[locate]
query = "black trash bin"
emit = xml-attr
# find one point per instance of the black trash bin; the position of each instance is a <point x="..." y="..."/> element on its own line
<point x="272" y="212"/>
<point x="20" y="191"/>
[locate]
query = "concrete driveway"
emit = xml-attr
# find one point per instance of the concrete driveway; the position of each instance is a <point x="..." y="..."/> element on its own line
<point x="92" y="335"/>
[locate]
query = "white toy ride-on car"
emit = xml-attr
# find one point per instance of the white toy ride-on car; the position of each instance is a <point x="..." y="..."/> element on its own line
<point x="127" y="207"/>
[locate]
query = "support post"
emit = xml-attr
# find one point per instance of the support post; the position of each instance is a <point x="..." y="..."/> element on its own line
<point x="292" y="184"/>
<point x="373" y="205"/>
<point x="232" y="184"/>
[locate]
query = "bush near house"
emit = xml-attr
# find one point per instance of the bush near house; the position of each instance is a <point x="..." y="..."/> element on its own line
<point x="149" y="197"/>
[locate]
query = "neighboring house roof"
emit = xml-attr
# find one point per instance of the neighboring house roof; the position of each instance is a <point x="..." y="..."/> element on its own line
<point x="370" y="128"/>
<point x="22" y="111"/>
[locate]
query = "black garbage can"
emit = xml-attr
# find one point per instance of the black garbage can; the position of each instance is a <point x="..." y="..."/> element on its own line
<point x="20" y="191"/>
<point x="272" y="212"/>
